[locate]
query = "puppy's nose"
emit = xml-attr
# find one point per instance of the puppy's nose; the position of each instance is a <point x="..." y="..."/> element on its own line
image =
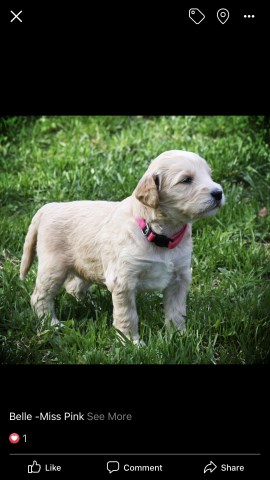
<point x="217" y="194"/>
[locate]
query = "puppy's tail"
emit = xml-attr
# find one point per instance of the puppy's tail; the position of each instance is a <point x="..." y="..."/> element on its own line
<point x="29" y="248"/>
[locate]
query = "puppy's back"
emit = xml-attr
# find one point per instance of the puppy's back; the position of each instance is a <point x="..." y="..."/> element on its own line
<point x="56" y="226"/>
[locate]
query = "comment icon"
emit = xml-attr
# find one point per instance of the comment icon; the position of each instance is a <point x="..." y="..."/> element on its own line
<point x="113" y="466"/>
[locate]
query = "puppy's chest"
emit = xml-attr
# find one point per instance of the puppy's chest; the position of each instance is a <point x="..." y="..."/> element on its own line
<point x="157" y="273"/>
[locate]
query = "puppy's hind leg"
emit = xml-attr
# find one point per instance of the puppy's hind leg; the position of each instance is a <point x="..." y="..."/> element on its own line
<point x="76" y="286"/>
<point x="50" y="277"/>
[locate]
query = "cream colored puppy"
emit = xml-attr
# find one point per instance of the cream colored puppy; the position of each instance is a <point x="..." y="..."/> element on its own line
<point x="141" y="243"/>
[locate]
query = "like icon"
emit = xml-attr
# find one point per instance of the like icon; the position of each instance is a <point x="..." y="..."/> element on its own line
<point x="34" y="468"/>
<point x="14" y="438"/>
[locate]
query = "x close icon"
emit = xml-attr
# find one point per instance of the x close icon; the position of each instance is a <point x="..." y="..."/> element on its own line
<point x="16" y="16"/>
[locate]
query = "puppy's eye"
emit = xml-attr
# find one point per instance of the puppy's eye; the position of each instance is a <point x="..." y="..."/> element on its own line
<point x="186" y="180"/>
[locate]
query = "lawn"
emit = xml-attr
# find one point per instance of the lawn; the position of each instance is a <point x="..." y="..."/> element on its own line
<point x="45" y="159"/>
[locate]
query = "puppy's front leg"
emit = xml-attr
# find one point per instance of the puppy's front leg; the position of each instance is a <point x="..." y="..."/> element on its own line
<point x="125" y="316"/>
<point x="175" y="300"/>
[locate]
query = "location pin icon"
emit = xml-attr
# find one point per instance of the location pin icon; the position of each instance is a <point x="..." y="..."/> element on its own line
<point x="223" y="15"/>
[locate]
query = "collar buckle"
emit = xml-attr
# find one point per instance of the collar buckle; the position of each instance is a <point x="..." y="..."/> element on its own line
<point x="161" y="240"/>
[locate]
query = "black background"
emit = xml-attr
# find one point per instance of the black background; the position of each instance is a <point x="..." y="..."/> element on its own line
<point x="115" y="59"/>
<point x="124" y="59"/>
<point x="195" y="408"/>
<point x="175" y="409"/>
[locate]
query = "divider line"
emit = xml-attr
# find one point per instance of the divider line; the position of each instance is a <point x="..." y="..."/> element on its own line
<point x="144" y="454"/>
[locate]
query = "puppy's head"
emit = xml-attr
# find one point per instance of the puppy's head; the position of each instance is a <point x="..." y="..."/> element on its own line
<point x="178" y="184"/>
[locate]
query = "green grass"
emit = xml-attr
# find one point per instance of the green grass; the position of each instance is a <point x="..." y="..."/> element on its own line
<point x="44" y="159"/>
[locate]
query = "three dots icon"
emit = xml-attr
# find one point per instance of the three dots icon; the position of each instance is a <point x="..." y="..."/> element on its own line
<point x="249" y="16"/>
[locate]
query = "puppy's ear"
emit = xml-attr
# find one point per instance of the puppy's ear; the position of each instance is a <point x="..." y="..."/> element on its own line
<point x="147" y="190"/>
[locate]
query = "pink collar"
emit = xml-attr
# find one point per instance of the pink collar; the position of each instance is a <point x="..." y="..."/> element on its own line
<point x="161" y="240"/>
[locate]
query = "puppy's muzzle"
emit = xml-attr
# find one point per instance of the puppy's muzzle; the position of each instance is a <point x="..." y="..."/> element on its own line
<point x="217" y="197"/>
<point x="217" y="194"/>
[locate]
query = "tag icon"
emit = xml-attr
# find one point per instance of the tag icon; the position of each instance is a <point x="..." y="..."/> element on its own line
<point x="196" y="15"/>
<point x="223" y="15"/>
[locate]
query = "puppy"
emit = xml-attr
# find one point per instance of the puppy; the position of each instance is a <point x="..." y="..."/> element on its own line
<point x="142" y="243"/>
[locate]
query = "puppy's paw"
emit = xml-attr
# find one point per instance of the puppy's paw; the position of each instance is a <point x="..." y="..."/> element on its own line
<point x="178" y="324"/>
<point x="181" y="330"/>
<point x="139" y="343"/>
<point x="125" y="340"/>
<point x="55" y="323"/>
